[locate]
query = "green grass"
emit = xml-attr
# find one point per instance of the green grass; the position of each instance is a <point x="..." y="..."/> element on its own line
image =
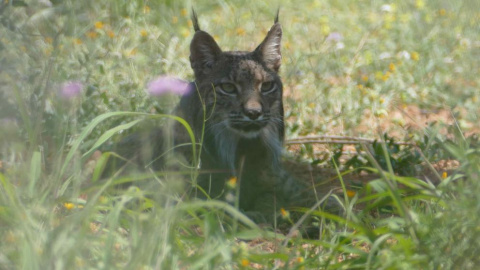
<point x="57" y="213"/>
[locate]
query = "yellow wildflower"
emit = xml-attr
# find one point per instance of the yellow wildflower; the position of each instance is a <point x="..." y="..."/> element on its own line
<point x="146" y="9"/>
<point x="444" y="175"/>
<point x="380" y="114"/>
<point x="92" y="34"/>
<point x="442" y="12"/>
<point x="381" y="100"/>
<point x="285" y="214"/>
<point x="420" y="4"/>
<point x="110" y="34"/>
<point x="143" y="33"/>
<point x="99" y="25"/>
<point x="325" y="29"/>
<point x="69" y="206"/>
<point x="240" y="31"/>
<point x="365" y="78"/>
<point x="174" y="19"/>
<point x="190" y="23"/>
<point x="351" y="193"/>
<point x="232" y="182"/>
<point x="389" y="19"/>
<point x="386" y="76"/>
<point x="132" y="52"/>
<point x="300" y="259"/>
<point x="77" y="41"/>
<point x="364" y="91"/>
<point x="391" y="67"/>
<point x="185" y="32"/>
<point x="184" y="12"/>
<point x="244" y="262"/>
<point x="415" y="56"/>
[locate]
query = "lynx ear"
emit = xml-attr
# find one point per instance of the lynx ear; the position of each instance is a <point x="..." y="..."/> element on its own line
<point x="269" y="49"/>
<point x="204" y="51"/>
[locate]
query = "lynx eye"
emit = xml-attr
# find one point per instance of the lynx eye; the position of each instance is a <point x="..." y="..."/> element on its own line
<point x="268" y="87"/>
<point x="228" y="88"/>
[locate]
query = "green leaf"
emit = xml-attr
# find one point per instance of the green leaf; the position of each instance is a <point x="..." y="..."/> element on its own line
<point x="19" y="3"/>
<point x="35" y="171"/>
<point x="100" y="166"/>
<point x="235" y="213"/>
<point x="109" y="133"/>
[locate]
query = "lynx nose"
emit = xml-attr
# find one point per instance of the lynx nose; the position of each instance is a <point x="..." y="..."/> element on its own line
<point x="253" y="114"/>
<point x="253" y="109"/>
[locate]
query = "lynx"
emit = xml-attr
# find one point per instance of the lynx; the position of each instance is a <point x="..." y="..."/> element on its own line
<point x="236" y="106"/>
<point x="244" y="133"/>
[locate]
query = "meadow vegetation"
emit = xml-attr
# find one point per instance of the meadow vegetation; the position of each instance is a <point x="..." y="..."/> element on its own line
<point x="74" y="78"/>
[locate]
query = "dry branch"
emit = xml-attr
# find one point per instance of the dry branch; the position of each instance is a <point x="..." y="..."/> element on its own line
<point x="327" y="139"/>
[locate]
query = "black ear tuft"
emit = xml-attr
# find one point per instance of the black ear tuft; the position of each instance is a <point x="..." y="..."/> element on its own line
<point x="270" y="48"/>
<point x="196" y="26"/>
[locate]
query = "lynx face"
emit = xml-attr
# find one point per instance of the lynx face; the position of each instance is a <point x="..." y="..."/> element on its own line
<point x="247" y="96"/>
<point x="242" y="93"/>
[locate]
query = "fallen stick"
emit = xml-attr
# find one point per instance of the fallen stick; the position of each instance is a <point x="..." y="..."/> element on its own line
<point x="327" y="139"/>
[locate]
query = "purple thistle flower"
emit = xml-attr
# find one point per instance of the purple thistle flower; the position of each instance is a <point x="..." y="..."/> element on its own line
<point x="166" y="84"/>
<point x="71" y="89"/>
<point x="335" y="36"/>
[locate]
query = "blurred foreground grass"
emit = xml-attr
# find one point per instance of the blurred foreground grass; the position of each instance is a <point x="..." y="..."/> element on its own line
<point x="345" y="64"/>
